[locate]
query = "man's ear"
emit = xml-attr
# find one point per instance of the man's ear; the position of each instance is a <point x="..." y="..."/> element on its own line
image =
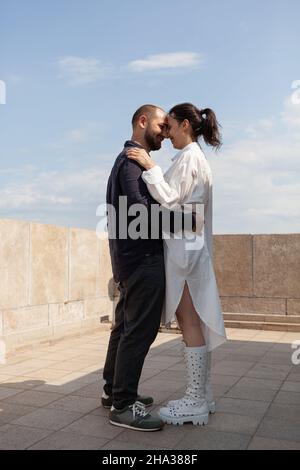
<point x="143" y="121"/>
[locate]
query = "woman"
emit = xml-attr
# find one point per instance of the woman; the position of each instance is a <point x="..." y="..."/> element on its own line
<point x="191" y="290"/>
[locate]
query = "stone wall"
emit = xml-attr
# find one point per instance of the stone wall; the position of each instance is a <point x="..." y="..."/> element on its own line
<point x="54" y="281"/>
<point x="258" y="273"/>
<point x="57" y="281"/>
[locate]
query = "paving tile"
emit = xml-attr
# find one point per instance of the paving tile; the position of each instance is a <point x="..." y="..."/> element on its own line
<point x="75" y="403"/>
<point x="230" y="346"/>
<point x="33" y="398"/>
<point x="257" y="349"/>
<point x="159" y="396"/>
<point x="61" y="355"/>
<point x="94" y="369"/>
<point x="117" y="445"/>
<point x="269" y="371"/>
<point x="168" y="437"/>
<point x="179" y="366"/>
<point x="93" y="390"/>
<point x="229" y="422"/>
<point x="253" y="382"/>
<point x="219" y="390"/>
<point x="48" y="374"/>
<point x="17" y="359"/>
<point x="68" y="441"/>
<point x="224" y="379"/>
<point x="10" y="412"/>
<point x="251" y="393"/>
<point x="92" y="425"/>
<point x="241" y="356"/>
<point x="264" y="335"/>
<point x="23" y="382"/>
<point x="288" y="386"/>
<point x="279" y="429"/>
<point x="46" y="418"/>
<point x="61" y="388"/>
<point x="82" y="377"/>
<point x="14" y="437"/>
<point x="26" y="367"/>
<point x="161" y="363"/>
<point x="284" y="412"/>
<point x="242" y="407"/>
<point x="289" y="337"/>
<point x="100" y="411"/>
<point x="4" y="378"/>
<point x="170" y="375"/>
<point x="208" y="439"/>
<point x="149" y="373"/>
<point x="263" y="384"/>
<point x="7" y="392"/>
<point x="293" y="377"/>
<point x="232" y="367"/>
<point x="262" y="443"/>
<point x="279" y="347"/>
<point x="277" y="358"/>
<point x="74" y="365"/>
<point x="288" y="398"/>
<point x="295" y="369"/>
<point x="163" y="385"/>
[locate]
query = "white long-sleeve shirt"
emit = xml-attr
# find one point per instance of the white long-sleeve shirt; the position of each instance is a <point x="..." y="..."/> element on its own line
<point x="187" y="181"/>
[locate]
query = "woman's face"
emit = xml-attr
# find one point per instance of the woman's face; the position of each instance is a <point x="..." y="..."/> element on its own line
<point x="176" y="132"/>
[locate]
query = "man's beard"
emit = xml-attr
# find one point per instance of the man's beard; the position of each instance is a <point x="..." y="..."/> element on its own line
<point x="153" y="142"/>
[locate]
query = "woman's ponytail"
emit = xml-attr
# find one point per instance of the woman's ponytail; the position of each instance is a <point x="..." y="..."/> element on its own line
<point x="210" y="128"/>
<point x="203" y="122"/>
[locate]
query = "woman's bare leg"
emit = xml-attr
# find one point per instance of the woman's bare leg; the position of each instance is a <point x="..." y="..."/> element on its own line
<point x="193" y="406"/>
<point x="189" y="320"/>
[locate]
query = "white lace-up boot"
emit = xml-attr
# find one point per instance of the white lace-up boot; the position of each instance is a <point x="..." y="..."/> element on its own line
<point x="193" y="406"/>
<point x="208" y="388"/>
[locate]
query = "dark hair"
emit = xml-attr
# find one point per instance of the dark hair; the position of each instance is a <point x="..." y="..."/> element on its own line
<point x="203" y="122"/>
<point x="147" y="109"/>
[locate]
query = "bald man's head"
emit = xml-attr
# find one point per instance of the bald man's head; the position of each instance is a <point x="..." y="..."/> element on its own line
<point x="149" y="123"/>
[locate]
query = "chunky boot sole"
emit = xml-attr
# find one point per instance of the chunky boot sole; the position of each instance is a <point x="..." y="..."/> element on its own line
<point x="197" y="420"/>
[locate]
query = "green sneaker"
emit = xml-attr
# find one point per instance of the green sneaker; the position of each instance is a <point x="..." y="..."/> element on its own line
<point x="106" y="400"/>
<point x="135" y="417"/>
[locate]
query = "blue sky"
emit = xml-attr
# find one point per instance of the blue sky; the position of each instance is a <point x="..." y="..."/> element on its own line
<point x="75" y="71"/>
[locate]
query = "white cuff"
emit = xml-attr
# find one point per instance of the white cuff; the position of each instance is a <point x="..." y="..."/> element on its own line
<point x="153" y="176"/>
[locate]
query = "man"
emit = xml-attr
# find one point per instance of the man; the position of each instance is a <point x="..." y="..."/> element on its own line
<point x="138" y="268"/>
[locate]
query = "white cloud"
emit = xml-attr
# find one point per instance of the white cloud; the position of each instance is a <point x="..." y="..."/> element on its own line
<point x="39" y="189"/>
<point x="84" y="70"/>
<point x="89" y="132"/>
<point x="261" y="126"/>
<point x="172" y="60"/>
<point x="81" y="70"/>
<point x="76" y="136"/>
<point x="291" y="113"/>
<point x="257" y="179"/>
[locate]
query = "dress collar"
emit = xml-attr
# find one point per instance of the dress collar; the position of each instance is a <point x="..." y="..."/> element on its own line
<point x="192" y="145"/>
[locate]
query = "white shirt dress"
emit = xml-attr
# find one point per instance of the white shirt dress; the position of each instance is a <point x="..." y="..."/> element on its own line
<point x="189" y="180"/>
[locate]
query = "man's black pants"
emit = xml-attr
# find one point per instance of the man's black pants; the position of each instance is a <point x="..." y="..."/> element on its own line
<point x="137" y="320"/>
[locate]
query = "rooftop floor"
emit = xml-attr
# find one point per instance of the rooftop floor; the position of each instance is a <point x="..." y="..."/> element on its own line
<point x="50" y="395"/>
